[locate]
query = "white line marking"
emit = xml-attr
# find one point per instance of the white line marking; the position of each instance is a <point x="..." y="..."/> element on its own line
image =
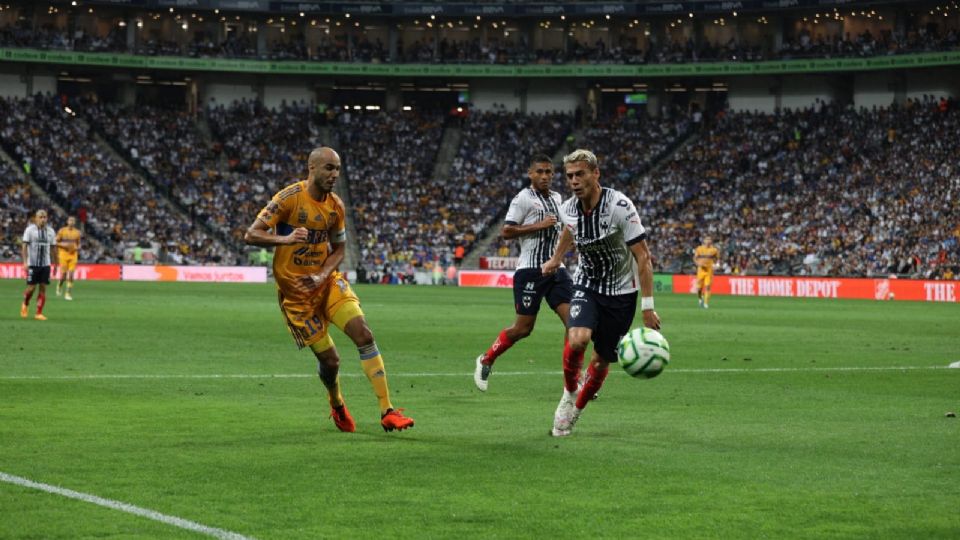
<point x="124" y="507"/>
<point x="436" y="374"/>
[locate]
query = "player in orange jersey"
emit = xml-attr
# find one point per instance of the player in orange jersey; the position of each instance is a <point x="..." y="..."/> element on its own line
<point x="68" y="244"/>
<point x="705" y="257"/>
<point x="307" y="220"/>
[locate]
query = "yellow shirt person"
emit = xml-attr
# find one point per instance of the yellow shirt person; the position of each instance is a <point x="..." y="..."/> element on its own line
<point x="310" y="240"/>
<point x="68" y="244"/>
<point x="705" y="257"/>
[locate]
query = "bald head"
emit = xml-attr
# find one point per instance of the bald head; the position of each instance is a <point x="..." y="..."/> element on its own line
<point x="323" y="165"/>
<point x="322" y="155"/>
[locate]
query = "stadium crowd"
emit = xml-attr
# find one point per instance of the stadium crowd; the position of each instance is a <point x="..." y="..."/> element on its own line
<point x="401" y="215"/>
<point x="827" y="190"/>
<point x="491" y="164"/>
<point x="113" y="204"/>
<point x="347" y="46"/>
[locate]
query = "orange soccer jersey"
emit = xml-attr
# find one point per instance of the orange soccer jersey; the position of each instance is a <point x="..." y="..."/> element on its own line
<point x="707" y="257"/>
<point x="293" y="207"/>
<point x="70" y="238"/>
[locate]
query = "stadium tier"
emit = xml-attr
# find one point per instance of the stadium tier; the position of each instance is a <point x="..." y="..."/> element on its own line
<point x="170" y="128"/>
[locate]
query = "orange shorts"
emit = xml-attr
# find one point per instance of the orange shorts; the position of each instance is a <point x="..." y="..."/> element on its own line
<point x="309" y="322"/>
<point x="704" y="277"/>
<point x="68" y="261"/>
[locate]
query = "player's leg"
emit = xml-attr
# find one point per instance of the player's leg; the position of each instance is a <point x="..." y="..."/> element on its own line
<point x="308" y="329"/>
<point x="526" y="301"/>
<point x="707" y="282"/>
<point x="581" y="325"/>
<point x="63" y="275"/>
<point x="71" y="269"/>
<point x="559" y="298"/>
<point x="529" y="287"/>
<point x="343" y="310"/>
<point x="27" y="295"/>
<point x="700" y="278"/>
<point x="328" y="368"/>
<point x="42" y="297"/>
<point x="522" y="327"/>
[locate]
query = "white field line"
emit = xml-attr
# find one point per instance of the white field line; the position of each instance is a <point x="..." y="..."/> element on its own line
<point x="124" y="507"/>
<point x="692" y="371"/>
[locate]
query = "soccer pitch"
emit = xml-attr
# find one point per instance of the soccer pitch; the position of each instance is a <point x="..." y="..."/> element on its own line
<point x="778" y="418"/>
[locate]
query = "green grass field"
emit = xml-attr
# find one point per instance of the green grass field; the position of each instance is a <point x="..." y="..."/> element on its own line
<point x="776" y="419"/>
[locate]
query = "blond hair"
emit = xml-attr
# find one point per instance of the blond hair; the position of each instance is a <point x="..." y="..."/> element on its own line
<point x="581" y="154"/>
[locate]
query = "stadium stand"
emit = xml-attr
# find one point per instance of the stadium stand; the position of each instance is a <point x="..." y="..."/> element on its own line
<point x="400" y="215"/>
<point x="806" y="42"/>
<point x="85" y="178"/>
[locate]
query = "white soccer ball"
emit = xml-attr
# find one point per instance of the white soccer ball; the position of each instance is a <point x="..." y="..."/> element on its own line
<point x="643" y="352"/>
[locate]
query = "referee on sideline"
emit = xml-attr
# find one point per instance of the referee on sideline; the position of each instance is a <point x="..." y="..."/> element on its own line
<point x="38" y="240"/>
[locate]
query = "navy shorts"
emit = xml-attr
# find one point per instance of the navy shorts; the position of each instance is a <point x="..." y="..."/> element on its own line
<point x="38" y="275"/>
<point x="530" y="286"/>
<point x="609" y="317"/>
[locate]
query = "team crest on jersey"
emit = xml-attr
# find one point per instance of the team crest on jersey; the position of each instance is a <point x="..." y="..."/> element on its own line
<point x="527" y="301"/>
<point x="578" y="294"/>
<point x="343" y="285"/>
<point x="574" y="311"/>
<point x="302" y="217"/>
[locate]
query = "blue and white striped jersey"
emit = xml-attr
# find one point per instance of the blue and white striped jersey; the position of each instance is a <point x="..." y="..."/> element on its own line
<point x="603" y="237"/>
<point x="529" y="206"/>
<point x="38" y="244"/>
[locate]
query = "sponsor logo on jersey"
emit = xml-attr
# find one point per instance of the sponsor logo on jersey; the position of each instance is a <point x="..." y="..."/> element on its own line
<point x="529" y="286"/>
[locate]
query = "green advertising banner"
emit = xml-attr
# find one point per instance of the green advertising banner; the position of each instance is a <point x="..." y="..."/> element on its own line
<point x="474" y="70"/>
<point x="663" y="283"/>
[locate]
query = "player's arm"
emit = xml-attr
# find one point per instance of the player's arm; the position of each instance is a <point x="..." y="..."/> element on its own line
<point x="563" y="246"/>
<point x="258" y="234"/>
<point x="645" y="265"/>
<point x="513" y="230"/>
<point x="24" y="247"/>
<point x="54" y="254"/>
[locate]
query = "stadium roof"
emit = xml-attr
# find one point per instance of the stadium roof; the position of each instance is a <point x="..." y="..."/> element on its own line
<point x="509" y="8"/>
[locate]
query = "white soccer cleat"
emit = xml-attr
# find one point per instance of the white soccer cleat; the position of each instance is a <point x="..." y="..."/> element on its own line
<point x="706" y="306"/>
<point x="480" y="374"/>
<point x="58" y="291"/>
<point x="67" y="297"/>
<point x="567" y="414"/>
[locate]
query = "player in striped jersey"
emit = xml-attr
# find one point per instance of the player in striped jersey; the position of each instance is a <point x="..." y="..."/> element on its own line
<point x="532" y="218"/>
<point x="38" y="241"/>
<point x="612" y="244"/>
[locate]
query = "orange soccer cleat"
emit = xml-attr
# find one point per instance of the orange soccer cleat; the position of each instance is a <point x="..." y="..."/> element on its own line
<point x="343" y="420"/>
<point x="39" y="317"/>
<point x="23" y="310"/>
<point x="394" y="419"/>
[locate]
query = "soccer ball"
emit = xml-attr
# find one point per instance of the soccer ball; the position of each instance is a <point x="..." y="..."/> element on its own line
<point x="643" y="353"/>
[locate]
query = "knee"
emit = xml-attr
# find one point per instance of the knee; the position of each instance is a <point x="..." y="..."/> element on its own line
<point x="328" y="359"/>
<point x="361" y="335"/>
<point x="521" y="331"/>
<point x="578" y="338"/>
